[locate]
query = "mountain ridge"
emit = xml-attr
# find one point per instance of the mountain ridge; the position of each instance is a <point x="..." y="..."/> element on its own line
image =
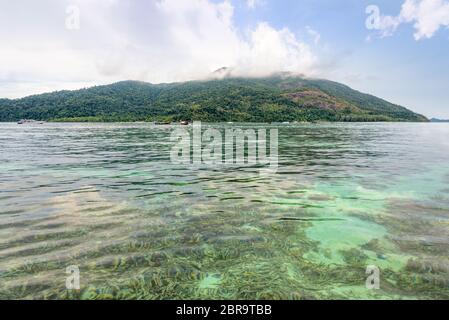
<point x="266" y="99"/>
<point x="437" y="120"/>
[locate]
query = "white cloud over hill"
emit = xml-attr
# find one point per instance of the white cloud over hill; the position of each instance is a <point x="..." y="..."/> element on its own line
<point x="155" y="41"/>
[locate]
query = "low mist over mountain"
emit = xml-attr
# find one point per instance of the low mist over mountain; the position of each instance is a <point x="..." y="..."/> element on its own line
<point x="270" y="99"/>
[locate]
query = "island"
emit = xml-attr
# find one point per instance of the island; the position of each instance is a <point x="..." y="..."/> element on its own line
<point x="278" y="98"/>
<point x="439" y="120"/>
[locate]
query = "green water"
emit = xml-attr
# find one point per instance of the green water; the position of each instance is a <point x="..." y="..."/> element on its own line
<point x="107" y="198"/>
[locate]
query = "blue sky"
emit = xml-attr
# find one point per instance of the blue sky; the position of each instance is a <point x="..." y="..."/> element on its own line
<point x="57" y="44"/>
<point x="397" y="68"/>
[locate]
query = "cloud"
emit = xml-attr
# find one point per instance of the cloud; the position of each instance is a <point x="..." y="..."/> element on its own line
<point x="269" y="50"/>
<point x="314" y="34"/>
<point x="155" y="41"/>
<point x="252" y="4"/>
<point x="427" y="16"/>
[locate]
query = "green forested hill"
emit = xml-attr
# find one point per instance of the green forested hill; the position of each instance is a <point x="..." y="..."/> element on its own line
<point x="271" y="99"/>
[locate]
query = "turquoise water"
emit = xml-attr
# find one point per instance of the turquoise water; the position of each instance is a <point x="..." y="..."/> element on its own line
<point x="107" y="198"/>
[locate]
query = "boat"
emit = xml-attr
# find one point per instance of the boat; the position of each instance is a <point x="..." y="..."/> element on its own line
<point x="184" y="123"/>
